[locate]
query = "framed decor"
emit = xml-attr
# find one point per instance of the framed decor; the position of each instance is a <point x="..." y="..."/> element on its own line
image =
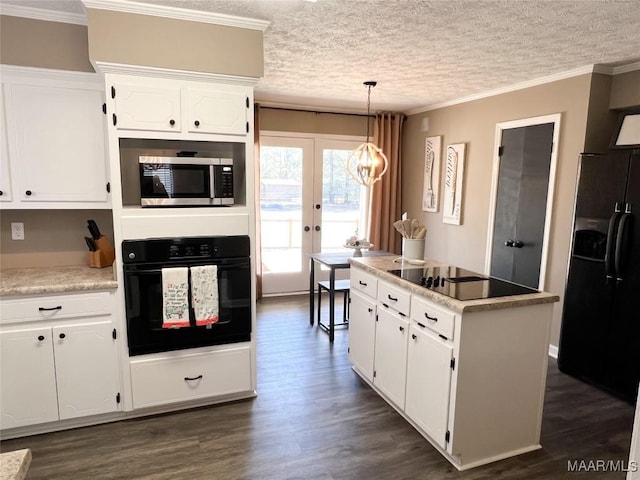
<point x="432" y="151"/>
<point x="453" y="177"/>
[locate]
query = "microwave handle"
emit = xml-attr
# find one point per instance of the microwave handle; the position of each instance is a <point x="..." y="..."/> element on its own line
<point x="212" y="182"/>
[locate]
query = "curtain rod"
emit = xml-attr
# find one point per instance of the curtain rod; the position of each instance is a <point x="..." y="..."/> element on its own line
<point x="314" y="111"/>
<point x="331" y="113"/>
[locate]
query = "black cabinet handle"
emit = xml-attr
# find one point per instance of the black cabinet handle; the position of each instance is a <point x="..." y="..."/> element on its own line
<point x="391" y="298"/>
<point x="413" y="336"/>
<point x="401" y="328"/>
<point x="362" y="283"/>
<point x="44" y="309"/>
<point x="191" y="379"/>
<point x="317" y="206"/>
<point x="508" y="243"/>
<point x="307" y="228"/>
<point x="402" y="314"/>
<point x="518" y="244"/>
<point x="197" y="123"/>
<point x="421" y="325"/>
<point x="40" y="338"/>
<point x="1" y="193"/>
<point x="317" y="228"/>
<point x="62" y="336"/>
<point x="370" y="309"/>
<point x="433" y="319"/>
<point x="28" y="193"/>
<point x="172" y="122"/>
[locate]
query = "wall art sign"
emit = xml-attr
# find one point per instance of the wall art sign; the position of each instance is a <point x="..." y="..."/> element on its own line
<point x="432" y="150"/>
<point x="453" y="177"/>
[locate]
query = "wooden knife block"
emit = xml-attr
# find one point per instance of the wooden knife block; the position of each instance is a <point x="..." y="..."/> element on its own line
<point x="104" y="255"/>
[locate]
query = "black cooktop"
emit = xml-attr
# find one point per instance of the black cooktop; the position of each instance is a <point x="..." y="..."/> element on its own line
<point x="459" y="283"/>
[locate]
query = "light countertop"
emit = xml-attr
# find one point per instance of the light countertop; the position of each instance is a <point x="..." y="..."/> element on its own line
<point x="14" y="465"/>
<point x="379" y="266"/>
<point x="51" y="280"/>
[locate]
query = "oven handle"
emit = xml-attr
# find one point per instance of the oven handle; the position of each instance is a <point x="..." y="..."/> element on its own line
<point x="226" y="265"/>
<point x="132" y="283"/>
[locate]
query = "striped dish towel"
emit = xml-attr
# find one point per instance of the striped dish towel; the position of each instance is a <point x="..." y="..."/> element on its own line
<point x="204" y="294"/>
<point x="175" y="297"/>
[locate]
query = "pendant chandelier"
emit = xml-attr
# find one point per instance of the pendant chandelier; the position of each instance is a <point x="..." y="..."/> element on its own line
<point x="367" y="164"/>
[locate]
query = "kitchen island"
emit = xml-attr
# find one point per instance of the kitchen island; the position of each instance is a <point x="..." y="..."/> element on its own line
<point x="470" y="374"/>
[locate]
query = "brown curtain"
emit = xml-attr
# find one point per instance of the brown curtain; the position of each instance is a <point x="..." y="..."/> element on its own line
<point x="256" y="190"/>
<point x="386" y="195"/>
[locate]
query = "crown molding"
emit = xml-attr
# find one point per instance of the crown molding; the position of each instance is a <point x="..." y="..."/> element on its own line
<point x="156" y="72"/>
<point x="42" y="14"/>
<point x="36" y="75"/>
<point x="176" y="13"/>
<point x="631" y="67"/>
<point x="511" y="88"/>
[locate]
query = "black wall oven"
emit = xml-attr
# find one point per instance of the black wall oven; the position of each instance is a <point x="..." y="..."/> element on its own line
<point x="143" y="263"/>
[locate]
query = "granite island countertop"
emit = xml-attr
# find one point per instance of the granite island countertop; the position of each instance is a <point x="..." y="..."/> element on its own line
<point x="379" y="266"/>
<point x="51" y="280"/>
<point x="14" y="465"/>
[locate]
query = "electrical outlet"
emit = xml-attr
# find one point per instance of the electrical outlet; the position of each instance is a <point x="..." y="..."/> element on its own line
<point x="17" y="231"/>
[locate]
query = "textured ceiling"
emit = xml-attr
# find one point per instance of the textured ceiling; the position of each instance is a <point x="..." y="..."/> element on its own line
<point x="318" y="54"/>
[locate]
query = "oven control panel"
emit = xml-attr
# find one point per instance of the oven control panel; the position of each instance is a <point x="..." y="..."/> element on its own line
<point x="177" y="249"/>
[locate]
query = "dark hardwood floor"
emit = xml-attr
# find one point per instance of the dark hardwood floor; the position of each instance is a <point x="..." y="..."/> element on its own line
<point x="315" y="419"/>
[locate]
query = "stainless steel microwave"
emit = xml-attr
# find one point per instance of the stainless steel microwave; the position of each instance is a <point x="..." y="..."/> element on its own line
<point x="185" y="181"/>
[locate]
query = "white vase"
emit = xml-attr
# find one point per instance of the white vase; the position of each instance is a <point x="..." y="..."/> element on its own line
<point x="413" y="248"/>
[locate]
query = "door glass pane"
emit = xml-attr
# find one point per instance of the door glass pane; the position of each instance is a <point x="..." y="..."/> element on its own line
<point x="281" y="208"/>
<point x="341" y="201"/>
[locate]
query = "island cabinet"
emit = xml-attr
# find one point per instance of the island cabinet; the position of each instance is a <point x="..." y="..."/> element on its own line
<point x="469" y="376"/>
<point x="59" y="359"/>
<point x="169" y="106"/>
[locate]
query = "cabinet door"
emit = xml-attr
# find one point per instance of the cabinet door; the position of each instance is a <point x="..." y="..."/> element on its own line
<point x="147" y="108"/>
<point x="28" y="380"/>
<point x="362" y="333"/>
<point x="391" y="356"/>
<point x="5" y="178"/>
<point x="428" y="383"/>
<point x="60" y="147"/>
<point x="217" y="112"/>
<point x="86" y="368"/>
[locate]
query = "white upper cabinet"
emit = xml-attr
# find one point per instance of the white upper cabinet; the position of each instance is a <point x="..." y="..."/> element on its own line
<point x="181" y="107"/>
<point x="55" y="131"/>
<point x="147" y="108"/>
<point x="5" y="175"/>
<point x="217" y="112"/>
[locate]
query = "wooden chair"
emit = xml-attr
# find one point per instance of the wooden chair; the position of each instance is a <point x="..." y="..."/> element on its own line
<point x="339" y="286"/>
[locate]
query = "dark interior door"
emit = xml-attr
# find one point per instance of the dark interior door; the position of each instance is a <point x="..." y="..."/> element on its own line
<point x="521" y="203"/>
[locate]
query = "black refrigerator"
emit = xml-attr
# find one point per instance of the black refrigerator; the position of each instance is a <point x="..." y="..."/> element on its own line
<point x="600" y="334"/>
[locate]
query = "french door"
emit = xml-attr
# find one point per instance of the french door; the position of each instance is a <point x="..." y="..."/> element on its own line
<point x="308" y="203"/>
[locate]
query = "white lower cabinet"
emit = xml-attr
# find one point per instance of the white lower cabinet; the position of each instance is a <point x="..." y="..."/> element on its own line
<point x="57" y="373"/>
<point x="429" y="362"/>
<point x="362" y="333"/>
<point x="164" y="380"/>
<point x="390" y="369"/>
<point x="58" y="358"/>
<point x="28" y="382"/>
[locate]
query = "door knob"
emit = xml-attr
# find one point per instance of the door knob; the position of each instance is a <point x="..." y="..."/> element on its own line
<point x="508" y="243"/>
<point x="317" y="228"/>
<point x="307" y="228"/>
<point x="197" y="123"/>
<point x="518" y="244"/>
<point x="172" y="122"/>
<point x="62" y="336"/>
<point x="317" y="206"/>
<point x="28" y="193"/>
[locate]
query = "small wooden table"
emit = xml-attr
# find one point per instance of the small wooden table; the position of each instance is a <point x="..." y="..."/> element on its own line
<point x="335" y="261"/>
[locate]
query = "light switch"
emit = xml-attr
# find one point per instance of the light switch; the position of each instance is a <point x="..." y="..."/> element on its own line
<point x="17" y="231"/>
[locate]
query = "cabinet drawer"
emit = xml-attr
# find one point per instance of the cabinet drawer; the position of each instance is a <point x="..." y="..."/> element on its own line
<point x="394" y="298"/>
<point x="55" y="307"/>
<point x="362" y="281"/>
<point x="189" y="377"/>
<point x="428" y="315"/>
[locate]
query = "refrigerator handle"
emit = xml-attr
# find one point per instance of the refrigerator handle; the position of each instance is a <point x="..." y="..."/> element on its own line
<point x="609" y="258"/>
<point x="621" y="244"/>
